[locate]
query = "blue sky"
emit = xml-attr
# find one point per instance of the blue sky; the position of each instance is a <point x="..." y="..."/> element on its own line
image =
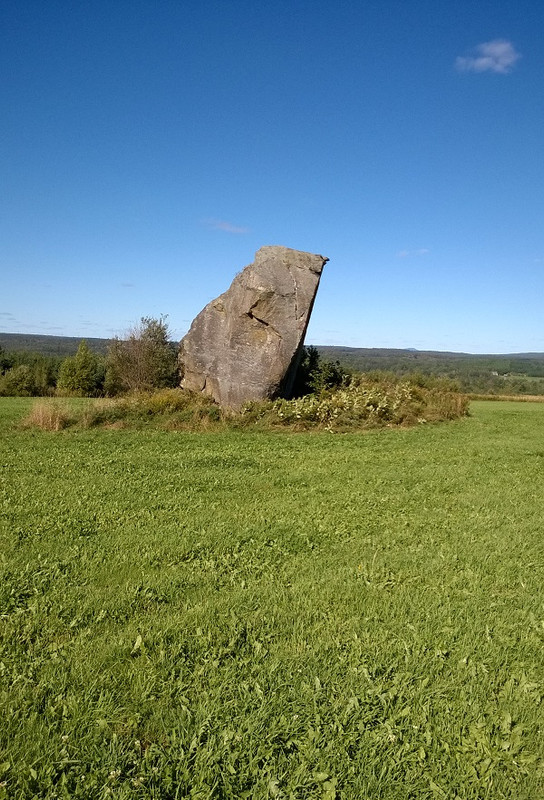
<point x="148" y="149"/>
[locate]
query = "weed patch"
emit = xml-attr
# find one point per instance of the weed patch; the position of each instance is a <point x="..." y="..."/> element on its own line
<point x="361" y="404"/>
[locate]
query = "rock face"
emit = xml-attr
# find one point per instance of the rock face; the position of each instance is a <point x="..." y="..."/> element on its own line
<point x="245" y="345"/>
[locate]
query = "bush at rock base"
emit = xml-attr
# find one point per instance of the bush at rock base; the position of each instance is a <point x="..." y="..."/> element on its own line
<point x="362" y="404"/>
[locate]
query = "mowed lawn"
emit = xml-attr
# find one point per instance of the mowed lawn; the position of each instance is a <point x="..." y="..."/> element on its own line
<point x="243" y="615"/>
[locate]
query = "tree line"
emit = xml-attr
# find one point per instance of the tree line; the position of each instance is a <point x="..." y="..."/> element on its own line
<point x="144" y="359"/>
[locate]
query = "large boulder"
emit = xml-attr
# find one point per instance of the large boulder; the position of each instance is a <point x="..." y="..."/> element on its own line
<point x="246" y="344"/>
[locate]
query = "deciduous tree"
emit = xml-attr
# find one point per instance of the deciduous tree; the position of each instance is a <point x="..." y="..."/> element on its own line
<point x="144" y="359"/>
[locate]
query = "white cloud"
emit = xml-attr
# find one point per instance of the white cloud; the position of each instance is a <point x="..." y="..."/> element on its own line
<point x="228" y="227"/>
<point x="498" y="56"/>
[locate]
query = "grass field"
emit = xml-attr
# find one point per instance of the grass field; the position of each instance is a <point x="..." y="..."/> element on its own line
<point x="243" y="615"/>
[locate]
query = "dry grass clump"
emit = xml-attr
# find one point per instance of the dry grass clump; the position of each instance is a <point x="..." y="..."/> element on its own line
<point x="172" y="409"/>
<point x="48" y="415"/>
<point x="169" y="409"/>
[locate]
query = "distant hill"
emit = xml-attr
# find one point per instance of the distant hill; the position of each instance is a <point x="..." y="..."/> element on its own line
<point x="49" y="345"/>
<point x="53" y="345"/>
<point x="432" y="362"/>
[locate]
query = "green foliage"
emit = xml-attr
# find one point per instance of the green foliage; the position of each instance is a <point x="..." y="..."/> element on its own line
<point x="27" y="374"/>
<point x="315" y="375"/>
<point x="18" y="382"/>
<point x="260" y="616"/>
<point x="145" y="359"/>
<point x="5" y="361"/>
<point x="363" y="403"/>
<point x="81" y="375"/>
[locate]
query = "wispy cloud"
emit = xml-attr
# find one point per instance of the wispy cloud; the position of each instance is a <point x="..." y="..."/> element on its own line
<point x="422" y="251"/>
<point x="499" y="56"/>
<point x="222" y="225"/>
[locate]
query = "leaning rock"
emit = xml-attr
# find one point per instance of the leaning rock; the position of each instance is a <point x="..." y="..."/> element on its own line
<point x="246" y="344"/>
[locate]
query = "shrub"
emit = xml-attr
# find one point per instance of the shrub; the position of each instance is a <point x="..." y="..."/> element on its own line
<point x="144" y="360"/>
<point x="314" y="375"/>
<point x="81" y="375"/>
<point x="362" y="403"/>
<point x="18" y="382"/>
<point x="23" y="374"/>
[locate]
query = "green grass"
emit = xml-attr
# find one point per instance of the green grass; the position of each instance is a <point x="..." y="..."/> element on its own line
<point x="265" y="615"/>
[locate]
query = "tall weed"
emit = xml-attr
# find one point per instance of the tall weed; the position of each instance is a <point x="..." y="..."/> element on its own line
<point x="48" y="415"/>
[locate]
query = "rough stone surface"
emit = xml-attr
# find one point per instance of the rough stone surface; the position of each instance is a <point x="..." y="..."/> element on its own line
<point x="245" y="345"/>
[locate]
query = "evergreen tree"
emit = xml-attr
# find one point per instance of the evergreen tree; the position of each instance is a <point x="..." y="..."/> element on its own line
<point x="81" y="374"/>
<point x="314" y="375"/>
